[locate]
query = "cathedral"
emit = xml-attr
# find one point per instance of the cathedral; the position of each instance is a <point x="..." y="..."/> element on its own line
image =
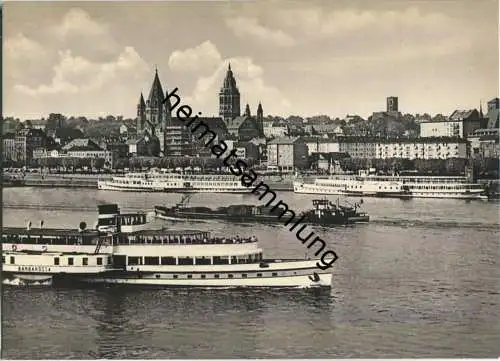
<point x="243" y="127"/>
<point x="155" y="121"/>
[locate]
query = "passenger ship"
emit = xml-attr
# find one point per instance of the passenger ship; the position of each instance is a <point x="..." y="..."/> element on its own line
<point x="122" y="250"/>
<point x="366" y="184"/>
<point x="163" y="181"/>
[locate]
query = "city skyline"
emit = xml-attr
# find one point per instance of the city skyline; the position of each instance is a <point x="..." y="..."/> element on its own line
<point x="304" y="59"/>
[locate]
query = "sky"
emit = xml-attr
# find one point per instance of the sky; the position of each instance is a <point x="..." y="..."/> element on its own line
<point x="301" y="58"/>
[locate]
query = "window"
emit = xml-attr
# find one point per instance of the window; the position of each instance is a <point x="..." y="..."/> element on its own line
<point x="99" y="261"/>
<point x="56" y="261"/>
<point x="157" y="276"/>
<point x="202" y="261"/>
<point x="151" y="261"/>
<point x="203" y="276"/>
<point x="132" y="261"/>
<point x="189" y="276"/>
<point x="168" y="261"/>
<point x="274" y="274"/>
<point x="221" y="260"/>
<point x="70" y="261"/>
<point x="216" y="276"/>
<point x="229" y="276"/>
<point x="244" y="275"/>
<point x="185" y="261"/>
<point x="85" y="261"/>
<point x="3" y="259"/>
<point x="259" y="274"/>
<point x="175" y="277"/>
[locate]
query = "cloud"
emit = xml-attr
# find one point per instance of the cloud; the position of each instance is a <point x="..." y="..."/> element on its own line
<point x="200" y="58"/>
<point x="76" y="65"/>
<point x="245" y="27"/>
<point x="250" y="81"/>
<point x="21" y="54"/>
<point x="75" y="74"/>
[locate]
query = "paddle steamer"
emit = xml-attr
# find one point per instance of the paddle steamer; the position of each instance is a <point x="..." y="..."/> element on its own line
<point x="142" y="256"/>
<point x="407" y="186"/>
<point x="164" y="181"/>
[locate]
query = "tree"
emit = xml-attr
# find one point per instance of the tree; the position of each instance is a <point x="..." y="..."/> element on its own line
<point x="99" y="163"/>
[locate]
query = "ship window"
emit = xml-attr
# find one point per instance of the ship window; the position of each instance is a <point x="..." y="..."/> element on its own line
<point x="202" y="260"/>
<point x="85" y="261"/>
<point x="259" y="274"/>
<point x="229" y="276"/>
<point x="244" y="275"/>
<point x="70" y="261"/>
<point x="132" y="261"/>
<point x="12" y="260"/>
<point x="157" y="276"/>
<point x="3" y="259"/>
<point x="110" y="260"/>
<point x="151" y="261"/>
<point x="99" y="261"/>
<point x="203" y="276"/>
<point x="234" y="259"/>
<point x="56" y="261"/>
<point x="185" y="261"/>
<point x="175" y="276"/>
<point x="168" y="261"/>
<point x="221" y="260"/>
<point x="189" y="276"/>
<point x="216" y="276"/>
<point x="274" y="274"/>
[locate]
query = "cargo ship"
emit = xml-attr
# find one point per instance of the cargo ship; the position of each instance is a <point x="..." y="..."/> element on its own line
<point x="324" y="213"/>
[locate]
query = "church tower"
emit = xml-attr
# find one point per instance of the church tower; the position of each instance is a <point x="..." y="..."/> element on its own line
<point x="260" y="119"/>
<point x="229" y="97"/>
<point x="247" y="111"/>
<point x="141" y="115"/>
<point x="155" y="110"/>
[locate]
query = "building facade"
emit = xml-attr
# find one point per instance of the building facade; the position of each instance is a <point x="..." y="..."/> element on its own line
<point x="420" y="148"/>
<point x="287" y="154"/>
<point x="460" y="123"/>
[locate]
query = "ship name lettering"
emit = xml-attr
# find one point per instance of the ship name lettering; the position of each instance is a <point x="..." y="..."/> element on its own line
<point x="33" y="269"/>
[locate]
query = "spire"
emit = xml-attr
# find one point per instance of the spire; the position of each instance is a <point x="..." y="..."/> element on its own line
<point x="229" y="68"/>
<point x="259" y="109"/>
<point x="481" y="110"/>
<point x="247" y="111"/>
<point x="142" y="103"/>
<point x="156" y="93"/>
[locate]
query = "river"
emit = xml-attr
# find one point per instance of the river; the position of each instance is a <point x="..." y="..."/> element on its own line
<point x="420" y="280"/>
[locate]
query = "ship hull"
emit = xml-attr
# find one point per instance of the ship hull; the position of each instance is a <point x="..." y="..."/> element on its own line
<point x="166" y="280"/>
<point x="107" y="186"/>
<point x="169" y="213"/>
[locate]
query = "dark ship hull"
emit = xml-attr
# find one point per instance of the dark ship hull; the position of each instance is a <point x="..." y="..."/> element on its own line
<point x="245" y="213"/>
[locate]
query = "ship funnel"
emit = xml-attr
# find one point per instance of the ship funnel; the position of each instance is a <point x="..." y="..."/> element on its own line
<point x="106" y="218"/>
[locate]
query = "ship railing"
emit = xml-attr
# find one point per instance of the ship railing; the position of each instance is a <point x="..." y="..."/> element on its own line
<point x="188" y="241"/>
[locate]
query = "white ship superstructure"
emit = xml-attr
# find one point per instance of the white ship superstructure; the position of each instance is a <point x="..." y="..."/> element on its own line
<point x="169" y="258"/>
<point x="164" y="181"/>
<point x="394" y="186"/>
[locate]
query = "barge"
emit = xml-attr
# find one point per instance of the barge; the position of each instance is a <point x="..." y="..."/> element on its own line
<point x="324" y="213"/>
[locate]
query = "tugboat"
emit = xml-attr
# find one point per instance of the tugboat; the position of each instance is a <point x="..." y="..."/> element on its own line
<point x="324" y="213"/>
